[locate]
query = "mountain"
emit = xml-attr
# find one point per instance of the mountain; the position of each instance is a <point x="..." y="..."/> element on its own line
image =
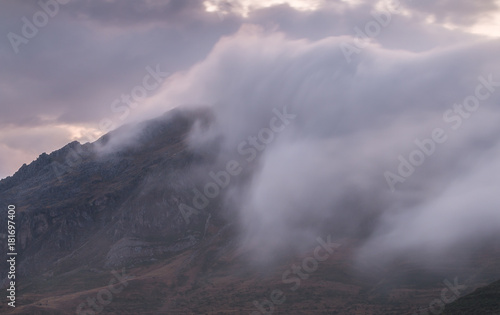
<point x="483" y="301"/>
<point x="101" y="230"/>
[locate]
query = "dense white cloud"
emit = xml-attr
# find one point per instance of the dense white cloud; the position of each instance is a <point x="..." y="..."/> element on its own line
<point x="324" y="173"/>
<point x="91" y="52"/>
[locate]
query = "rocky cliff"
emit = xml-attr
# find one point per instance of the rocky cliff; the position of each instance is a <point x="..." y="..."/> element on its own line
<point x="82" y="204"/>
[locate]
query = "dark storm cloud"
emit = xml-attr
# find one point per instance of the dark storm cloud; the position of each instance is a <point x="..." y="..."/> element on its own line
<point x="90" y="53"/>
<point x="132" y="13"/>
<point x="74" y="70"/>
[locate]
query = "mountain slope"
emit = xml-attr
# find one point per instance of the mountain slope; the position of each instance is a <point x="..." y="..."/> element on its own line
<point x="483" y="301"/>
<point x="103" y="226"/>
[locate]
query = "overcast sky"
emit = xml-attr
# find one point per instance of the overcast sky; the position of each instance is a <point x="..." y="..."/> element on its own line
<point x="59" y="79"/>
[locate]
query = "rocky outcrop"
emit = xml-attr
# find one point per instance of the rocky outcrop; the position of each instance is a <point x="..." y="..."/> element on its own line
<point x="106" y="208"/>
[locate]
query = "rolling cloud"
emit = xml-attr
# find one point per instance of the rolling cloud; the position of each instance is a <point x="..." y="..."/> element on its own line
<point x="325" y="171"/>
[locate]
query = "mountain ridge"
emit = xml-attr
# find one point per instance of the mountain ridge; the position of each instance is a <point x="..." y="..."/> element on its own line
<point x="118" y="210"/>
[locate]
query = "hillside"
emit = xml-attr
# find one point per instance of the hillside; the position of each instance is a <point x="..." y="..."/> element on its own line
<point x="484" y="301"/>
<point x="113" y="217"/>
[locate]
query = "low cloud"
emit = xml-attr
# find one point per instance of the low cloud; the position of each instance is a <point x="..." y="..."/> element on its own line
<point x="325" y="171"/>
<point x="323" y="174"/>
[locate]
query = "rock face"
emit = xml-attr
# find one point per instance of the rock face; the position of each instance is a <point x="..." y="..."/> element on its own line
<point x="483" y="301"/>
<point x="85" y="212"/>
<point x="83" y="205"/>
